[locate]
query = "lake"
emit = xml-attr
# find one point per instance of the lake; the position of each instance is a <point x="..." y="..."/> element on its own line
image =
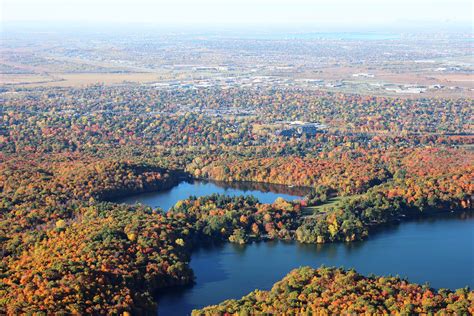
<point x="438" y="250"/>
<point x="264" y="192"/>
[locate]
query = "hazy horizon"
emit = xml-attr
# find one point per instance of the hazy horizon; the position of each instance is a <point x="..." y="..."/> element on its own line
<point x="315" y="16"/>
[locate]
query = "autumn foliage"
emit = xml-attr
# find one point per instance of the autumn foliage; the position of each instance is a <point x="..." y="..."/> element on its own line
<point x="331" y="291"/>
<point x="65" y="152"/>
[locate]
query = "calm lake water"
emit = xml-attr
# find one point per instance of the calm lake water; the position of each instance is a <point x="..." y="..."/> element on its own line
<point x="264" y="192"/>
<point x="438" y="250"/>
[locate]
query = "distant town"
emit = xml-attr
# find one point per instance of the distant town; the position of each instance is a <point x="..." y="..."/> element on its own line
<point x="405" y="65"/>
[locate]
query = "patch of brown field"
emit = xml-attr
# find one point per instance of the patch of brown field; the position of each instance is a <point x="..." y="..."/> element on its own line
<point x="24" y="79"/>
<point x="455" y="78"/>
<point x="76" y="79"/>
<point x="386" y="76"/>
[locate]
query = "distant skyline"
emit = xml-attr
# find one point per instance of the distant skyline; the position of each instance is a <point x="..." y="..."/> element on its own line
<point x="331" y="14"/>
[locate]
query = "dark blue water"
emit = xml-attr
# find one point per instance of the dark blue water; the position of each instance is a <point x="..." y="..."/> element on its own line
<point x="265" y="193"/>
<point x="438" y="250"/>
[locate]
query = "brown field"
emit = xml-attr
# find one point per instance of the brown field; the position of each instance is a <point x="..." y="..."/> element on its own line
<point x="335" y="73"/>
<point x="387" y="76"/>
<point x="76" y="79"/>
<point x="456" y="78"/>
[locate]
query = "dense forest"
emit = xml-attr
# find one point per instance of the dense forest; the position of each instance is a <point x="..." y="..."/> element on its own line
<point x="65" y="153"/>
<point x="331" y="291"/>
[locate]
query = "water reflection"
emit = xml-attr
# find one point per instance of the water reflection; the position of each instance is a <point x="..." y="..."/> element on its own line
<point x="438" y="250"/>
<point x="265" y="193"/>
<point x="263" y="187"/>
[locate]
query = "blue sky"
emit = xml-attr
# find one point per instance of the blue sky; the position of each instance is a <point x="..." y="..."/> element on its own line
<point x="242" y="12"/>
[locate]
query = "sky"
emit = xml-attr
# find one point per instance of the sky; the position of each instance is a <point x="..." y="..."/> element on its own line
<point x="242" y="12"/>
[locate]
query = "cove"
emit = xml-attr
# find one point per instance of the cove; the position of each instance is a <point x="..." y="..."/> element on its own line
<point x="438" y="251"/>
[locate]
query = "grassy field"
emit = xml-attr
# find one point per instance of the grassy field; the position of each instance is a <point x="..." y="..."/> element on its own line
<point x="320" y="209"/>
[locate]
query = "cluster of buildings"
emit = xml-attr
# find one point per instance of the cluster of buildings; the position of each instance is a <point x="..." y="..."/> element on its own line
<point x="217" y="112"/>
<point x="299" y="128"/>
<point x="242" y="81"/>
